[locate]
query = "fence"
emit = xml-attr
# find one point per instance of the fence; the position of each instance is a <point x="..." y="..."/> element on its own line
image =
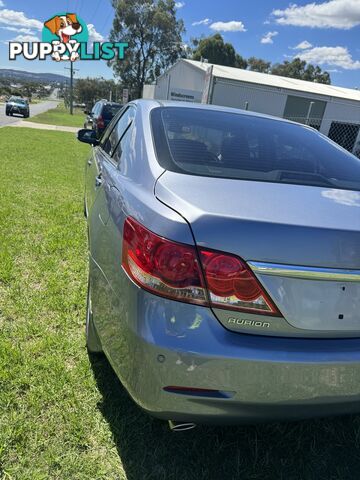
<point x="345" y="133"/>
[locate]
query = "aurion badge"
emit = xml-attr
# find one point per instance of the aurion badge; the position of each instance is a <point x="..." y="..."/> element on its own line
<point x="248" y="323"/>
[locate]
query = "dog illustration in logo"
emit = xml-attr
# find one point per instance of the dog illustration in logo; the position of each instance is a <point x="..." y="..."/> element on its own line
<point x="64" y="26"/>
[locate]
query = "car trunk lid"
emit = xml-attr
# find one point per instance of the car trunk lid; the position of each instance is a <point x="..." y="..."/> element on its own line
<point x="289" y="228"/>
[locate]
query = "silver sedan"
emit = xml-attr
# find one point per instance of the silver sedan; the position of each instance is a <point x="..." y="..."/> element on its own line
<point x="224" y="279"/>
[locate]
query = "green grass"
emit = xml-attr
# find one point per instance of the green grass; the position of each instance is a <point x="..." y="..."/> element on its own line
<point x="64" y="416"/>
<point x="60" y="116"/>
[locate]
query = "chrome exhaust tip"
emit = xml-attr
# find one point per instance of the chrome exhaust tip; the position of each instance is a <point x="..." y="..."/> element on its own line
<point x="181" y="427"/>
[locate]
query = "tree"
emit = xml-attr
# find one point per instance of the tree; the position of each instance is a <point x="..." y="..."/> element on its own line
<point x="154" y="36"/>
<point x="258" y="65"/>
<point x="216" y="51"/>
<point x="240" y="62"/>
<point x="27" y="90"/>
<point x="89" y="90"/>
<point x="315" y="74"/>
<point x="299" y="69"/>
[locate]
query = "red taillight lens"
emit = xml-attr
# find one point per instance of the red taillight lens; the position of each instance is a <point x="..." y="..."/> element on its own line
<point x="172" y="270"/>
<point x="164" y="267"/>
<point x="232" y="285"/>
<point x="100" y="122"/>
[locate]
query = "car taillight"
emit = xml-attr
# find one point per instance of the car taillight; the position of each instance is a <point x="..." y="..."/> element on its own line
<point x="232" y="285"/>
<point x="100" y="122"/>
<point x="164" y="267"/>
<point x="172" y="270"/>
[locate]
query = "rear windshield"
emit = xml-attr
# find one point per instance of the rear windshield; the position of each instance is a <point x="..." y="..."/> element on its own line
<point x="221" y="144"/>
<point x="110" y="110"/>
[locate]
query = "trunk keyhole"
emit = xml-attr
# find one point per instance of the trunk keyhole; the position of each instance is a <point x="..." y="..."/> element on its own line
<point x="341" y="316"/>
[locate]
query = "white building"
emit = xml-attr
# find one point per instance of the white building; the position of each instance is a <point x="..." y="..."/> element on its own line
<point x="335" y="111"/>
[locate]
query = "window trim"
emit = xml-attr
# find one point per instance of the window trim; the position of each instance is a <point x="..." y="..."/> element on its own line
<point x="108" y="157"/>
<point x="110" y="128"/>
<point x="125" y="132"/>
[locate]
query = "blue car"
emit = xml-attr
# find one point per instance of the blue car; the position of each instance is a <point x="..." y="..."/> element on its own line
<point x="224" y="271"/>
<point x="17" y="105"/>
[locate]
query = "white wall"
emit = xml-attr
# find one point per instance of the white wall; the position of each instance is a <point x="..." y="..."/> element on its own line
<point x="180" y="82"/>
<point x="148" y="91"/>
<point x="340" y="111"/>
<point x="261" y="99"/>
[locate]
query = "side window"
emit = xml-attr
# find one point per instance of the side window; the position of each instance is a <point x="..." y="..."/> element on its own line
<point x="111" y="143"/>
<point x="104" y="142"/>
<point x="123" y="145"/>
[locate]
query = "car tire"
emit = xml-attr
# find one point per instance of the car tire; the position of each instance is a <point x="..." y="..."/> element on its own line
<point x="27" y="115"/>
<point x="8" y="113"/>
<point x="92" y="339"/>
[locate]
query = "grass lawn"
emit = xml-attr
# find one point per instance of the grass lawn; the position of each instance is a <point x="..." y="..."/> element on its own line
<point x="64" y="416"/>
<point x="60" y="116"/>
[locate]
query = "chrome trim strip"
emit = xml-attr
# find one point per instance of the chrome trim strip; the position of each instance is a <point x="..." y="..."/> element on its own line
<point x="310" y="273"/>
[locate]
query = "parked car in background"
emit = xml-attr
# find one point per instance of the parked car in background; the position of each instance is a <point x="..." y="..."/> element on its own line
<point x="17" y="105"/>
<point x="101" y="115"/>
<point x="224" y="280"/>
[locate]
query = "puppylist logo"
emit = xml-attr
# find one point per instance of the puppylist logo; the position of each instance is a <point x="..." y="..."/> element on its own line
<point x="65" y="37"/>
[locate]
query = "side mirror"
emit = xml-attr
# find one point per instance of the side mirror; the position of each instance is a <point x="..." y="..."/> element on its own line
<point x="86" y="135"/>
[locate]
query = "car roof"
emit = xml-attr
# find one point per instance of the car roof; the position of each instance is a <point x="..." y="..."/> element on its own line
<point x="173" y="103"/>
<point x="107" y="102"/>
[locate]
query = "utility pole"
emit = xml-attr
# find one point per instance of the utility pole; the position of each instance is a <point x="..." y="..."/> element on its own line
<point x="72" y="70"/>
<point x="308" y="115"/>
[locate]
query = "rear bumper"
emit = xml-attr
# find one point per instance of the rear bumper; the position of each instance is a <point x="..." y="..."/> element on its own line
<point x="259" y="389"/>
<point x="158" y="343"/>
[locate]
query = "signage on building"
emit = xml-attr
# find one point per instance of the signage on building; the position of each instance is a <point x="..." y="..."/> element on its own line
<point x="182" y="95"/>
<point x="125" y="96"/>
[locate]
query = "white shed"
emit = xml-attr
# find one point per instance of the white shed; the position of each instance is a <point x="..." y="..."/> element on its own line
<point x="335" y="111"/>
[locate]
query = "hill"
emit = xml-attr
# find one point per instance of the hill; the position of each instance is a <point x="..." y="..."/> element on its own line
<point x="21" y="75"/>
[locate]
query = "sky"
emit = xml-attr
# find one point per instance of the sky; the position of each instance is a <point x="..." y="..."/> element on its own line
<point x="321" y="32"/>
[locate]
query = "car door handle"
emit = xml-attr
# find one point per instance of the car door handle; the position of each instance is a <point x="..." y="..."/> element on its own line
<point x="98" y="180"/>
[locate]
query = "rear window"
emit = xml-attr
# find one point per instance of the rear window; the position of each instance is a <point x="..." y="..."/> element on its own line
<point x="109" y="111"/>
<point x="222" y="144"/>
